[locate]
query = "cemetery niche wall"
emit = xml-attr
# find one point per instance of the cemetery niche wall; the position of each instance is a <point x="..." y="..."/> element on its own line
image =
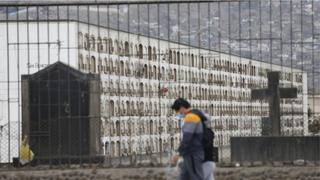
<point x="61" y="114"/>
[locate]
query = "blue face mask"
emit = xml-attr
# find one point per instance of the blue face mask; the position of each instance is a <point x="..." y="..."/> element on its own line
<point x="179" y="116"/>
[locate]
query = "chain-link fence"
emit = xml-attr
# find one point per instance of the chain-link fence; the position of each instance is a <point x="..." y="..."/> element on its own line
<point x="93" y="82"/>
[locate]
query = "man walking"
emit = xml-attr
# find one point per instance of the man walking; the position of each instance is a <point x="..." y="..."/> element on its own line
<point x="191" y="147"/>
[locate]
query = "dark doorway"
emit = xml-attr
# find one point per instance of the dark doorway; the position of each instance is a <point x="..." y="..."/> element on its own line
<point x="57" y="120"/>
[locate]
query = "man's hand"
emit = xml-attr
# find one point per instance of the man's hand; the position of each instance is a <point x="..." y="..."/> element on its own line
<point x="174" y="159"/>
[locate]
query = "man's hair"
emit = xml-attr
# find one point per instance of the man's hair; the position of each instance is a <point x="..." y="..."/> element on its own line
<point x="179" y="103"/>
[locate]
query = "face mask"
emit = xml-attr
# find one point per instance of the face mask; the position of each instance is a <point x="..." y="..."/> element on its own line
<point x="179" y="116"/>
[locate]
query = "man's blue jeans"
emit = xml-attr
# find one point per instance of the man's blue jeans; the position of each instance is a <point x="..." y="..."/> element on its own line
<point x="192" y="166"/>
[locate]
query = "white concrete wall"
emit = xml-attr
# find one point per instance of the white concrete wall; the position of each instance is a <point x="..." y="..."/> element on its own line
<point x="26" y="48"/>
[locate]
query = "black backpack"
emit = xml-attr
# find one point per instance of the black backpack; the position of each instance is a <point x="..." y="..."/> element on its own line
<point x="210" y="152"/>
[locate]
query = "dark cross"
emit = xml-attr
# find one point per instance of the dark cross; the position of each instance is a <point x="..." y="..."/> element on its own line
<point x="274" y="93"/>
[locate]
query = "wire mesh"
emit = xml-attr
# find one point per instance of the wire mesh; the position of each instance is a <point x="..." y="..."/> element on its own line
<point x="124" y="63"/>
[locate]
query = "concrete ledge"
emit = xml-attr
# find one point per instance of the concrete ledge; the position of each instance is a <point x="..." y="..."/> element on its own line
<point x="275" y="149"/>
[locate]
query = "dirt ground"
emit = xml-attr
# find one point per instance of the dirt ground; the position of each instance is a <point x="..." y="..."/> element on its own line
<point x="241" y="173"/>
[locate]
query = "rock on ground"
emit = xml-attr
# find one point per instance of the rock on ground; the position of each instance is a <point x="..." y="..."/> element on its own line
<point x="243" y="173"/>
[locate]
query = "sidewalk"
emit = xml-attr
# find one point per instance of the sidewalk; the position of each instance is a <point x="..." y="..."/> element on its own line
<point x="283" y="173"/>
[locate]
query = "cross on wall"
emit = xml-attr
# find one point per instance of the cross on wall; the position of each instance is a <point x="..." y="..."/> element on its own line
<point x="273" y="93"/>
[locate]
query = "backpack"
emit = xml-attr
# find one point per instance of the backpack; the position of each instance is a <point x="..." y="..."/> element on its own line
<point x="210" y="152"/>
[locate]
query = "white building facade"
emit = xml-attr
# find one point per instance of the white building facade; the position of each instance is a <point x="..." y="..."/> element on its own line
<point x="141" y="77"/>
